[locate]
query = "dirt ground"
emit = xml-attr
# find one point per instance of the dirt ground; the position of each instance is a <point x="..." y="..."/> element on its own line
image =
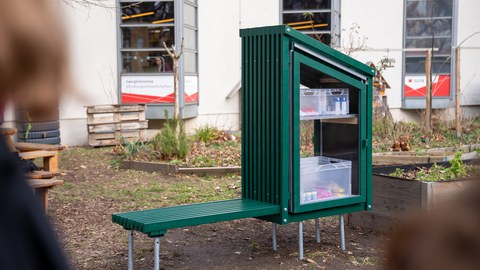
<point x="94" y="188"/>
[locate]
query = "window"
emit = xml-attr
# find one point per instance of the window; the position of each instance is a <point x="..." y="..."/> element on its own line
<point x="190" y="37"/>
<point x="145" y="68"/>
<point x="318" y="19"/>
<point x="428" y="23"/>
<point x="144" y="27"/>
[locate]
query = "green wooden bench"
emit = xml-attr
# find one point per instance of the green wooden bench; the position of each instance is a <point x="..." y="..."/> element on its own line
<point x="156" y="222"/>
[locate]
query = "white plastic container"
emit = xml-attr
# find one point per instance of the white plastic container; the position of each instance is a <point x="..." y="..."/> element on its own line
<point x="324" y="101"/>
<point x="323" y="178"/>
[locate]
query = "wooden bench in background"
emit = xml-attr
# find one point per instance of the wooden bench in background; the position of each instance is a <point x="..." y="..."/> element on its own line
<point x="50" y="159"/>
<point x="40" y="181"/>
<point x="41" y="187"/>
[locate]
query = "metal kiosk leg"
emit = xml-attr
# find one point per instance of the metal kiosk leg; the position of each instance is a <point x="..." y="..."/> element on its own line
<point x="130" y="250"/>
<point x="274" y="236"/>
<point x="317" y="230"/>
<point x="156" y="261"/>
<point x="300" y="240"/>
<point x="342" y="233"/>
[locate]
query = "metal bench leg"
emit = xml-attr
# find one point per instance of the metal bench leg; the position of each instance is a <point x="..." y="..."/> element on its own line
<point x="156" y="261"/>
<point x="274" y="236"/>
<point x="300" y="240"/>
<point x="317" y="230"/>
<point x="342" y="232"/>
<point x="130" y="250"/>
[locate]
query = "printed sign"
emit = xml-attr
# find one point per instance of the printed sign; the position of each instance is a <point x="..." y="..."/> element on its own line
<point x="156" y="89"/>
<point x="416" y="86"/>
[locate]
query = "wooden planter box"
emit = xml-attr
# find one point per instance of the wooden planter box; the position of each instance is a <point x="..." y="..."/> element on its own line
<point x="394" y="199"/>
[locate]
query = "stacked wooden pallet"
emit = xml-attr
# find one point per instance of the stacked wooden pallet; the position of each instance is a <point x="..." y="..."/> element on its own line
<point x="113" y="124"/>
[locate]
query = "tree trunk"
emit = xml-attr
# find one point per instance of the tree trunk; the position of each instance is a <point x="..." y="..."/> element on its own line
<point x="428" y="105"/>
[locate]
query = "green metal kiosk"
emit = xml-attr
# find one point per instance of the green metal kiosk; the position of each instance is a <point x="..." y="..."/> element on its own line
<point x="306" y="127"/>
<point x="306" y="140"/>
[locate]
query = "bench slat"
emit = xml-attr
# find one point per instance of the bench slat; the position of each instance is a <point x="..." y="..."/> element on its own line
<point x="37" y="154"/>
<point x="158" y="221"/>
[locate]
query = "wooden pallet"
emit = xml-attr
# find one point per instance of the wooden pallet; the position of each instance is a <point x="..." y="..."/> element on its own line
<point x="112" y="124"/>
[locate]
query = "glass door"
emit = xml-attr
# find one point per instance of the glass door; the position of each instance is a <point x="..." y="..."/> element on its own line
<point x="326" y="127"/>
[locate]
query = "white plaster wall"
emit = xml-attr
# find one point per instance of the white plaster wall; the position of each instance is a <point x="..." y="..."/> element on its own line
<point x="92" y="38"/>
<point x="220" y="56"/>
<point x="381" y="22"/>
<point x="468" y="24"/>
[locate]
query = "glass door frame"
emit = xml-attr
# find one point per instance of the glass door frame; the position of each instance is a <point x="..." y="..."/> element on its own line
<point x="295" y="206"/>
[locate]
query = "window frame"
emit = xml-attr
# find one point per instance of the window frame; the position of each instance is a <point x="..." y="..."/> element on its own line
<point x="156" y="110"/>
<point x="334" y="12"/>
<point x="437" y="101"/>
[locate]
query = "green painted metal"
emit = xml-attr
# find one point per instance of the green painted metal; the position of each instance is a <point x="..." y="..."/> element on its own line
<point x="261" y="117"/>
<point x="270" y="126"/>
<point x="297" y="59"/>
<point x="156" y="222"/>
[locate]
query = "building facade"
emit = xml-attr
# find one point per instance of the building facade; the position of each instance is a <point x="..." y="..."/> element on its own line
<point x="117" y="53"/>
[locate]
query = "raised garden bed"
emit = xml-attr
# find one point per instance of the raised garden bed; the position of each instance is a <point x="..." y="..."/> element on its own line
<point x="218" y="157"/>
<point x="172" y="168"/>
<point x="396" y="198"/>
<point x="425" y="156"/>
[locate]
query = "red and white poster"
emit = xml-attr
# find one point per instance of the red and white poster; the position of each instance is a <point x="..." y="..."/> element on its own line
<point x="156" y="89"/>
<point x="416" y="86"/>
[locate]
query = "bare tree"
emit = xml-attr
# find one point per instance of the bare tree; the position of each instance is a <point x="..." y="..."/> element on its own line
<point x="175" y="58"/>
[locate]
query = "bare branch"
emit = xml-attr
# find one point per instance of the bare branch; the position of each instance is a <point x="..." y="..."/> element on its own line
<point x="172" y="55"/>
<point x="181" y="49"/>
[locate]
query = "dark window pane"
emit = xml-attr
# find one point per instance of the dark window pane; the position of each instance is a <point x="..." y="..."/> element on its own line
<point x="146" y="62"/>
<point x="440" y="65"/>
<point x="306" y="4"/>
<point x="422" y="9"/>
<point x="148" y="12"/>
<point x="441" y="27"/>
<point x="318" y="19"/>
<point x="443" y="44"/>
<point x="416" y="65"/>
<point x="147" y="37"/>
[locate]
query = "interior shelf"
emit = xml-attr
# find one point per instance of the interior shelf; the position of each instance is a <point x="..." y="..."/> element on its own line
<point x="343" y="119"/>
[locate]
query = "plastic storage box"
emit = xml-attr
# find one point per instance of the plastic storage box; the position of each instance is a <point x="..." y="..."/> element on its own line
<point x="324" y="101"/>
<point x="323" y="178"/>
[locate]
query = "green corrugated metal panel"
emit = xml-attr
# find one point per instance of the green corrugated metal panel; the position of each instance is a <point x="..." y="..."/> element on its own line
<point x="261" y="117"/>
<point x="156" y="221"/>
<point x="267" y="160"/>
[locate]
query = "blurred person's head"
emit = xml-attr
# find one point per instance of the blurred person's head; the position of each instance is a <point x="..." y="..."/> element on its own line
<point x="33" y="57"/>
<point x="447" y="238"/>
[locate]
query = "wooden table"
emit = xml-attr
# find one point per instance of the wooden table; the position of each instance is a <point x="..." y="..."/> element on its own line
<point x="41" y="187"/>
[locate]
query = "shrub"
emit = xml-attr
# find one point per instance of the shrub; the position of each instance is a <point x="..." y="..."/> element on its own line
<point x="168" y="143"/>
<point x="206" y="133"/>
<point x="132" y="149"/>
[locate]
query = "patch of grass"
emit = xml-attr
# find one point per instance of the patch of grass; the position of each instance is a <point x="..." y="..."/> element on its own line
<point x="358" y="260"/>
<point x="206" y="133"/>
<point x="132" y="149"/>
<point x="254" y="246"/>
<point x="204" y="161"/>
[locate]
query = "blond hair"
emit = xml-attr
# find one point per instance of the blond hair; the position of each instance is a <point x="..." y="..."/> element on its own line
<point x="33" y="54"/>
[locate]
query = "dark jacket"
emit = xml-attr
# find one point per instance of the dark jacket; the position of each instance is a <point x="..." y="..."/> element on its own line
<point x="27" y="240"/>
